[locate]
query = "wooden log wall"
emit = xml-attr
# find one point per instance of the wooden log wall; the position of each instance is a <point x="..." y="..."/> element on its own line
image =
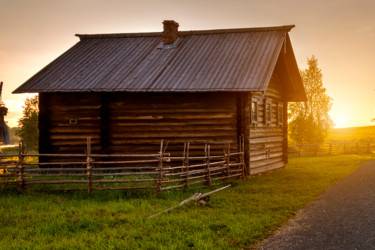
<point x="67" y="119"/>
<point x="267" y="140"/>
<point x="139" y="121"/>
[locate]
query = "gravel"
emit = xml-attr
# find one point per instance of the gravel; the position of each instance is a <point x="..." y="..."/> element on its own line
<point x="342" y="218"/>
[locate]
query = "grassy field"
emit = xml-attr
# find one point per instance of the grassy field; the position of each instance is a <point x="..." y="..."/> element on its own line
<point x="235" y="218"/>
<point x="352" y="134"/>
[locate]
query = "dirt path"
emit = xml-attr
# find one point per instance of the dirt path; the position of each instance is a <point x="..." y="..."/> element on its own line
<point x="343" y="218"/>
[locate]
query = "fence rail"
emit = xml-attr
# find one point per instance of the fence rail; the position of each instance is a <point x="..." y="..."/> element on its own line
<point x="332" y="148"/>
<point x="159" y="171"/>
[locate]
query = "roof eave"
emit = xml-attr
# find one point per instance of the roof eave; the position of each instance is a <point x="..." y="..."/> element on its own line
<point x="286" y="28"/>
<point x="20" y="91"/>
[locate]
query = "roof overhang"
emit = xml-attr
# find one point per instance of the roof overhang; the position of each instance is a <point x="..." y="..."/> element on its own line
<point x="232" y="60"/>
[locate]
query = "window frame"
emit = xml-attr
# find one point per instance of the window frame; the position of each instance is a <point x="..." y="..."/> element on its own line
<point x="73" y="121"/>
<point x="254" y="112"/>
<point x="267" y="112"/>
<point x="280" y="114"/>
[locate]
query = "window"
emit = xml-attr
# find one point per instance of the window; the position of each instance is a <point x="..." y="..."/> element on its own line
<point x="254" y="113"/>
<point x="280" y="113"/>
<point x="73" y="121"/>
<point x="268" y="112"/>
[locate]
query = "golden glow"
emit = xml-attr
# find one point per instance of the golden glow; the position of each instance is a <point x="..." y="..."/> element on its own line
<point x="340" y="121"/>
<point x="340" y="34"/>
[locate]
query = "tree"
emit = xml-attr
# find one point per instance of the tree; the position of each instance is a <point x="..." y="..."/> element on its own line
<point x="310" y="121"/>
<point x="28" y="124"/>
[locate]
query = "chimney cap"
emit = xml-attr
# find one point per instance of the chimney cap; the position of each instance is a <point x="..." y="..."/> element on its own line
<point x="170" y="21"/>
<point x="170" y="32"/>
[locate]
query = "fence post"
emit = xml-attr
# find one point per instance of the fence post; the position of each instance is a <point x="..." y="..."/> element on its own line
<point x="227" y="158"/>
<point x="186" y="162"/>
<point x="159" y="181"/>
<point x="207" y="153"/>
<point x="368" y="147"/>
<point x="20" y="167"/>
<point x="242" y="156"/>
<point x="88" y="165"/>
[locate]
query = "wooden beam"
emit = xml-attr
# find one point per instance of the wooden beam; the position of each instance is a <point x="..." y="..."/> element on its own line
<point x="104" y="123"/>
<point x="285" y="132"/>
<point x="44" y="125"/>
<point x="243" y="126"/>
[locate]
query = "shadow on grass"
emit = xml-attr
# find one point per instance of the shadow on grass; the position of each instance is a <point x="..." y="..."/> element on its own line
<point x="110" y="195"/>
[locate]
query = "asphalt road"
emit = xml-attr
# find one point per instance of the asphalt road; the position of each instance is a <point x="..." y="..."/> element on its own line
<point x="343" y="218"/>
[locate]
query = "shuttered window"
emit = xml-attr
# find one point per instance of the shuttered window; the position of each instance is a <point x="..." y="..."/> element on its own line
<point x="280" y="112"/>
<point x="267" y="112"/>
<point x="254" y="113"/>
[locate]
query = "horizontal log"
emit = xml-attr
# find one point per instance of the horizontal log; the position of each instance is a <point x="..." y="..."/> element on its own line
<point x="168" y="136"/>
<point x="121" y="187"/>
<point x="212" y="157"/>
<point x="53" y="169"/>
<point x="227" y="177"/>
<point x="126" y="173"/>
<point x="123" y="168"/>
<point x="123" y="162"/>
<point x="266" y="140"/>
<point x="263" y="163"/>
<point x="8" y="175"/>
<point x="262" y="151"/>
<point x="74" y="130"/>
<point x="67" y="181"/>
<point x="180" y="140"/>
<point x="74" y="137"/>
<point x="55" y="155"/>
<point x="214" y="128"/>
<point x="75" y="108"/>
<point x="55" y="163"/>
<point x="8" y="155"/>
<point x="72" y="143"/>
<point x="122" y="180"/>
<point x="267" y="168"/>
<point x="114" y="122"/>
<point x="124" y="109"/>
<point x="265" y="157"/>
<point x="177" y="116"/>
<point x="67" y="174"/>
<point x="126" y="155"/>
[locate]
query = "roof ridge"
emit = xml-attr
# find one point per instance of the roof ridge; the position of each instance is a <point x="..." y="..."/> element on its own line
<point x="286" y="28"/>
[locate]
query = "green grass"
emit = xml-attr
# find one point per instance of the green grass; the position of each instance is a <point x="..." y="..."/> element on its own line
<point x="235" y="218"/>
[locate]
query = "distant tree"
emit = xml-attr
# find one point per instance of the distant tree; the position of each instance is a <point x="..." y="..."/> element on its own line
<point x="309" y="121"/>
<point x="13" y="135"/>
<point x="28" y="124"/>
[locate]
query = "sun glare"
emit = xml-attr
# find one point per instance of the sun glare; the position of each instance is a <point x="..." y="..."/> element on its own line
<point x="340" y="121"/>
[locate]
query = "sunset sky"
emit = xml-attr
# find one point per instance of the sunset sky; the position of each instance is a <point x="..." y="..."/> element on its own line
<point x="340" y="33"/>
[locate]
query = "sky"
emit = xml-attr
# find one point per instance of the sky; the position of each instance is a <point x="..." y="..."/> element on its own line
<point x="340" y="33"/>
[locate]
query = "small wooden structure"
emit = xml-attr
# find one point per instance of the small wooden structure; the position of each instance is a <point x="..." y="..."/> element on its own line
<point x="129" y="91"/>
<point x="4" y="131"/>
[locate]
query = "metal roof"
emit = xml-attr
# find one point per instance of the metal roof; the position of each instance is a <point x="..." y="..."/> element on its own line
<point x="211" y="60"/>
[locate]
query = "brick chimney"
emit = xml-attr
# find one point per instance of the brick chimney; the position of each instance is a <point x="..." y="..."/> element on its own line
<point x="170" y="32"/>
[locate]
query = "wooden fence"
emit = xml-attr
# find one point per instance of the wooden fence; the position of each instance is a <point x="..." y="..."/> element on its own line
<point x="159" y="171"/>
<point x="332" y="148"/>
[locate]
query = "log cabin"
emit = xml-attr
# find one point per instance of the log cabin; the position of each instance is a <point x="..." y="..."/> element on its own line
<point x="127" y="91"/>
